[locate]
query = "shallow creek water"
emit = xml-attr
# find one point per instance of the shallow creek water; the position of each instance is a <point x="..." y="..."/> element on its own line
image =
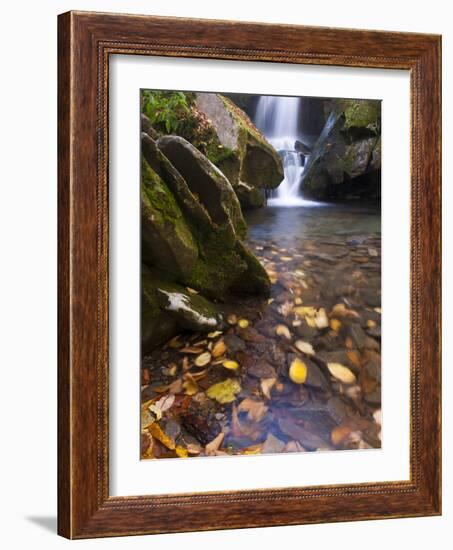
<point x="298" y="371"/>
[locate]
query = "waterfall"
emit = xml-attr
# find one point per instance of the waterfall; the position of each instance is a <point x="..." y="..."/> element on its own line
<point x="277" y="118"/>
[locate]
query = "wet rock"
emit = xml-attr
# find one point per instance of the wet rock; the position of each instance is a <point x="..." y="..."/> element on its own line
<point x="234" y="343"/>
<point x="358" y="336"/>
<point x="245" y="154"/>
<point x="272" y="445"/>
<point x="199" y="420"/>
<point x="191" y="311"/>
<point x="262" y="369"/>
<point x="168" y="308"/>
<point x="307" y="439"/>
<point x="147" y="127"/>
<point x="345" y="162"/>
<point x="206" y="181"/>
<point x="167" y="239"/>
<point x="250" y="197"/>
<point x="305" y="331"/>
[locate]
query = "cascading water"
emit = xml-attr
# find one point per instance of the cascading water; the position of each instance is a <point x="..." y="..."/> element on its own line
<point x="277" y="118"/>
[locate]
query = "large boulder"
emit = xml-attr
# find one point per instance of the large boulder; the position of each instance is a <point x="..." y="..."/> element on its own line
<point x="168" y="308"/>
<point x="206" y="182"/>
<point x="346" y="160"/>
<point x="167" y="240"/>
<point x="192" y="225"/>
<point x="251" y="158"/>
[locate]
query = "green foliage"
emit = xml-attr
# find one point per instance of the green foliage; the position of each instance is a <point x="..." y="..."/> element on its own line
<point x="166" y="110"/>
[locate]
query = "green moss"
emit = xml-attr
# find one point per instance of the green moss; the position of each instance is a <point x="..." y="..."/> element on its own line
<point x="159" y="204"/>
<point x="362" y="114"/>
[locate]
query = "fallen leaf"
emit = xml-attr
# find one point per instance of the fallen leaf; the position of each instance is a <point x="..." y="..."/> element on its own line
<point x="191" y="349"/>
<point x="176" y="386"/>
<point x="304" y="347"/>
<point x="224" y="392"/>
<point x="266" y="385"/>
<point x="341" y="373"/>
<point x="214" y="334"/>
<point x="335" y="324"/>
<point x="203" y="359"/>
<point x="214" y="445"/>
<point x="253" y="450"/>
<point x="370" y="323"/>
<point x="230" y="365"/>
<point x="305" y="311"/>
<point x="298" y="371"/>
<point x="321" y="320"/>
<point x="193" y="449"/>
<point x="190" y="387"/>
<point x="283" y="330"/>
<point x="340" y="310"/>
<point x="157" y="432"/>
<point x="175" y="342"/>
<point x="219" y="348"/>
<point x="243" y="323"/>
<point x="181" y="452"/>
<point x="165" y="403"/>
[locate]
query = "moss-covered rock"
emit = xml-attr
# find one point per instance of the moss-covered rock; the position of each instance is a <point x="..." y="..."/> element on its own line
<point x="168" y="308"/>
<point x="192" y="224"/>
<point x="167" y="240"/>
<point x="346" y="159"/>
<point x="206" y="182"/>
<point x="249" y="196"/>
<point x="251" y="158"/>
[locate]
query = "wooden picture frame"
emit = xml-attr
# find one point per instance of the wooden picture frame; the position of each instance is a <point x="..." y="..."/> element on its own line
<point x="85" y="42"/>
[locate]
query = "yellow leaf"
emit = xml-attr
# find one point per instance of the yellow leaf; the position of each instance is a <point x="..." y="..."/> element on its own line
<point x="305" y="311"/>
<point x="181" y="452"/>
<point x="298" y="371"/>
<point x="243" y="323"/>
<point x="230" y="365"/>
<point x="157" y="432"/>
<point x="224" y="392"/>
<point x="341" y="373"/>
<point x="335" y="324"/>
<point x="214" y="334"/>
<point x="190" y="387"/>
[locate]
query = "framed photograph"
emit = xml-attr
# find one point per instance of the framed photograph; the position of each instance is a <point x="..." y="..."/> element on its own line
<point x="249" y="275"/>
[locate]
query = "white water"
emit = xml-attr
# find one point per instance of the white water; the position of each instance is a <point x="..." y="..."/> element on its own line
<point x="277" y="118"/>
